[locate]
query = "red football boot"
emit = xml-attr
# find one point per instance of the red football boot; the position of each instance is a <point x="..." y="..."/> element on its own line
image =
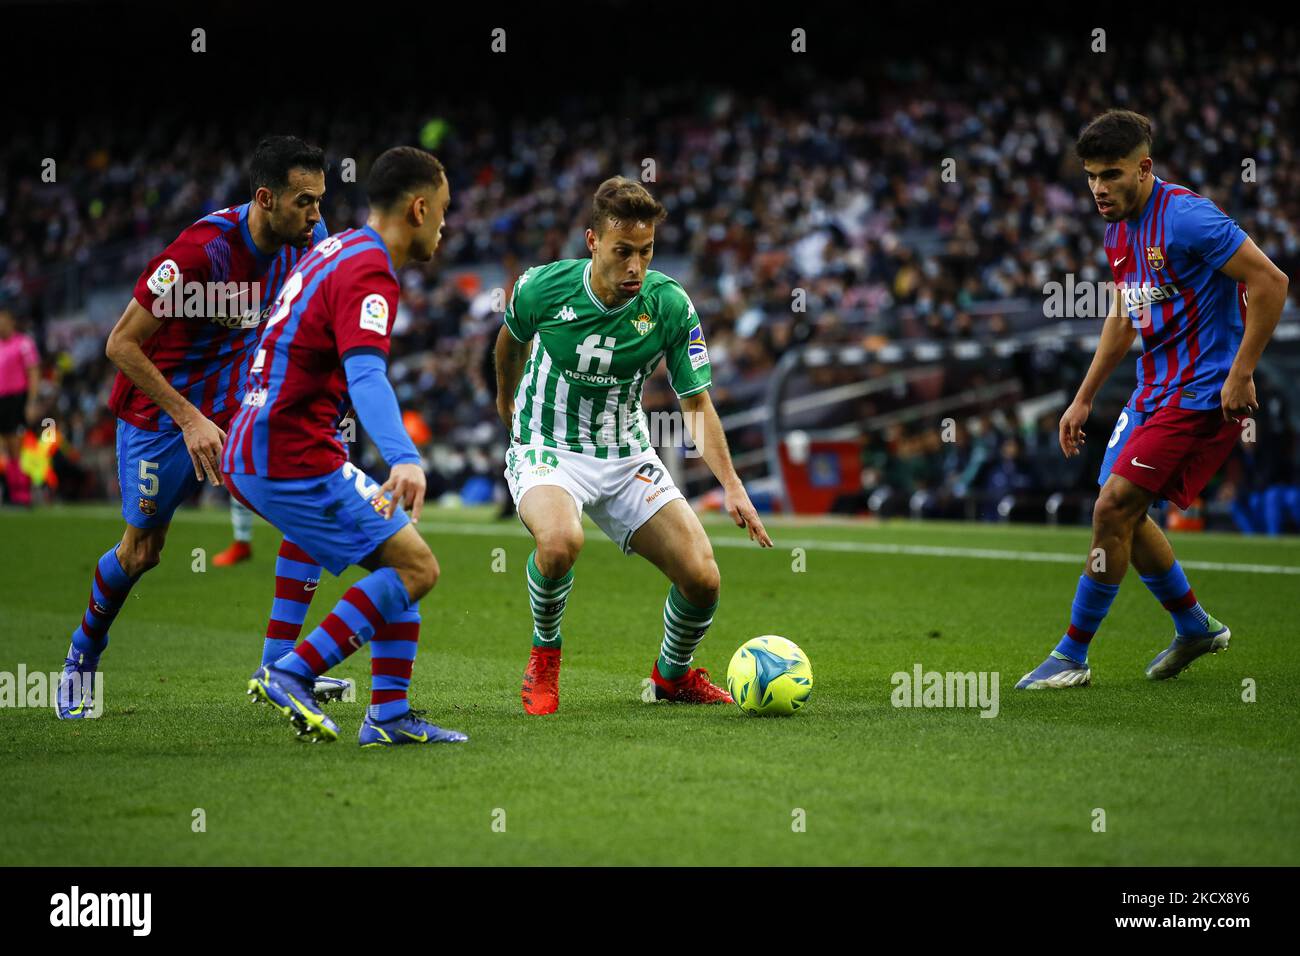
<point x="237" y="552"/>
<point x="693" y="687"/>
<point x="541" y="690"/>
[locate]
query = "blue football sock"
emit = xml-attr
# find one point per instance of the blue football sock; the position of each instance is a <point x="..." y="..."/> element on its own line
<point x="392" y="655"/>
<point x="377" y="599"/>
<point x="296" y="578"/>
<point x="1092" y="600"/>
<point x="108" y="591"/>
<point x="1172" y="590"/>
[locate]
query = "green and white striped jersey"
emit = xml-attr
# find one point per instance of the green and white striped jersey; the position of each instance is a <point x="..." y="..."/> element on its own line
<point x="581" y="388"/>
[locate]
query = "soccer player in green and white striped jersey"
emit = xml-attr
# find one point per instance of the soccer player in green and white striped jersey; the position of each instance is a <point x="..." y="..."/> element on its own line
<point x="581" y="336"/>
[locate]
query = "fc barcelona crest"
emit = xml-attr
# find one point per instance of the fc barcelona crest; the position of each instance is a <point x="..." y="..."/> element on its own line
<point x="1155" y="257"/>
<point x="642" y="324"/>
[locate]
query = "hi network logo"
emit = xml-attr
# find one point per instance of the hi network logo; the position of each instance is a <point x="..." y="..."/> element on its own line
<point x="103" y="909"/>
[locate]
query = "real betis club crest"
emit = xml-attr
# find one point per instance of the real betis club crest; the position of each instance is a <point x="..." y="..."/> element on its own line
<point x="642" y="324"/>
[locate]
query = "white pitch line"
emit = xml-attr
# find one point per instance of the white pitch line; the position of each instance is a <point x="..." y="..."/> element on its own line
<point x="513" y="529"/>
<point x="867" y="547"/>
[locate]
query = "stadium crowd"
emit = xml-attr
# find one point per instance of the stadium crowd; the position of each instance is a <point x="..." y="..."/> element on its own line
<point x="833" y="196"/>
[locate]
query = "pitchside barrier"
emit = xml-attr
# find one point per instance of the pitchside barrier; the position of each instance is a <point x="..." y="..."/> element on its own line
<point x="844" y="428"/>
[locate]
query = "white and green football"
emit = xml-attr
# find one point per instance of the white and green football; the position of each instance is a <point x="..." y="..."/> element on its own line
<point x="770" y="676"/>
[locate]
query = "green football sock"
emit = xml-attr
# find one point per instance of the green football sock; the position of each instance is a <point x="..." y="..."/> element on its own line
<point x="547" y="597"/>
<point x="684" y="628"/>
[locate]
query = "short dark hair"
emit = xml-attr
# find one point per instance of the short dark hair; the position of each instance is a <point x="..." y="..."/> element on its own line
<point x="275" y="156"/>
<point x="402" y="170"/>
<point x="620" y="198"/>
<point x="1113" y="134"/>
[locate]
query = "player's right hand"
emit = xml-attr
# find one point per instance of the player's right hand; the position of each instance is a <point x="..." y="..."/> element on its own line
<point x="1072" y="433"/>
<point x="1238" y="397"/>
<point x="405" y="485"/>
<point x="506" y="412"/>
<point x="203" y="439"/>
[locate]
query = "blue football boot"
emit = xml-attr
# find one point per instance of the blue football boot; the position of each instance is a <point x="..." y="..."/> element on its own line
<point x="291" y="695"/>
<point x="410" y="728"/>
<point x="1056" y="672"/>
<point x="75" y="698"/>
<point x="1173" y="660"/>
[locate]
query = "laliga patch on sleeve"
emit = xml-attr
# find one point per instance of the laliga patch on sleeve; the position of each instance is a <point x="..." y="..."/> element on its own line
<point x="374" y="313"/>
<point x="164" y="277"/>
<point x="696" y="349"/>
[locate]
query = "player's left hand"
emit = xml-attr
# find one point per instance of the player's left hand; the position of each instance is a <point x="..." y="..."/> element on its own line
<point x="1238" y="397"/>
<point x="742" y="511"/>
<point x="405" y="486"/>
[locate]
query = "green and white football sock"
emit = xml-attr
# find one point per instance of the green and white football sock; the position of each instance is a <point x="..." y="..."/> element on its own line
<point x="684" y="628"/>
<point x="241" y="522"/>
<point x="547" y="597"/>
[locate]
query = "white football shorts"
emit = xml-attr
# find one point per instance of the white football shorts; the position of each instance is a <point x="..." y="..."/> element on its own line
<point x="620" y="494"/>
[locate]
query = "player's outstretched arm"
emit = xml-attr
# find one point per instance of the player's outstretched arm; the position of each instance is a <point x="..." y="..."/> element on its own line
<point x="706" y="431"/>
<point x="376" y="407"/>
<point x="511" y="356"/>
<point x="125" y="350"/>
<point x="1266" y="288"/>
<point x="1116" y="338"/>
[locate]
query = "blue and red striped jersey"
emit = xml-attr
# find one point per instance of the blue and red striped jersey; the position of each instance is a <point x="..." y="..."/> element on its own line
<point x="1191" y="316"/>
<point x="341" y="299"/>
<point x="213" y="289"/>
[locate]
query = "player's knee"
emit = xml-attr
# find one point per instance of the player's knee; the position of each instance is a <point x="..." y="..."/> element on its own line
<point x="1113" y="513"/>
<point x="136" y="565"/>
<point x="1105" y="515"/>
<point x="137" y="557"/>
<point x="422" y="576"/>
<point x="558" y="552"/>
<point x="702" y="583"/>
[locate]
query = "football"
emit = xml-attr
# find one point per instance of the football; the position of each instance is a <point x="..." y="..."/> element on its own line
<point x="770" y="676"/>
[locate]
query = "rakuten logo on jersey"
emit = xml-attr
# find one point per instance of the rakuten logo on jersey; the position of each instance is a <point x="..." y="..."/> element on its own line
<point x="1141" y="296"/>
<point x="1089" y="299"/>
<point x="232" y="305"/>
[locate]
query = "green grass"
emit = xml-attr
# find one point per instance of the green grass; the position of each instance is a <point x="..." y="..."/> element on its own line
<point x="1186" y="772"/>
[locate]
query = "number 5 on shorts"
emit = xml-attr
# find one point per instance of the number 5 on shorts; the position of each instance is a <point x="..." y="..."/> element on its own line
<point x="148" y="478"/>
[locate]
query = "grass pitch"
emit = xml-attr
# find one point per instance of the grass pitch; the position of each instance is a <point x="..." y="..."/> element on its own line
<point x="1186" y="772"/>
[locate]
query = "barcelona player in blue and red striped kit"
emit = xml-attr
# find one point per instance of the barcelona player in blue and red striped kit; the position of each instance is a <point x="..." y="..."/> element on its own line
<point x="1205" y="300"/>
<point x="183" y="348"/>
<point x="325" y="349"/>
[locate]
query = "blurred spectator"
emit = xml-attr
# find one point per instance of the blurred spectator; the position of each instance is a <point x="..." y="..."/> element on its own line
<point x="817" y="215"/>
<point x="19" y="377"/>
